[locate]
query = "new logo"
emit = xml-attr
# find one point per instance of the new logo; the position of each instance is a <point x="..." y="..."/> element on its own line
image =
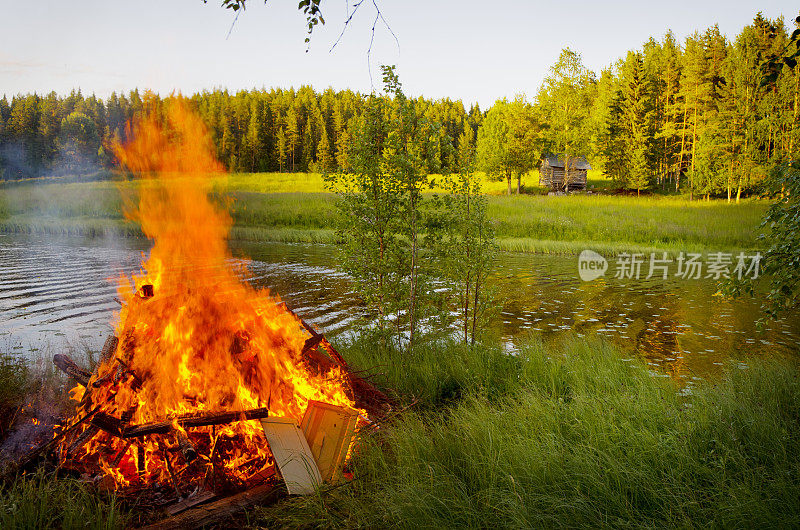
<point x="591" y="265"/>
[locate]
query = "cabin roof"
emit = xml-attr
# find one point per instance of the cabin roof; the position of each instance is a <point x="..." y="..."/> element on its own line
<point x="557" y="161"/>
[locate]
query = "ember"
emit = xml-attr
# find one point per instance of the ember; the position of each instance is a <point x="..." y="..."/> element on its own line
<point x="201" y="356"/>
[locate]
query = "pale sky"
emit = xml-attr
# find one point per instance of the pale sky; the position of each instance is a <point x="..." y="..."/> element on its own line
<point x="476" y="51"/>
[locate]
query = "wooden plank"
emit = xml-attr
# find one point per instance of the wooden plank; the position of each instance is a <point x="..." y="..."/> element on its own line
<point x="329" y="430"/>
<point x="190" y="502"/>
<point x="220" y="511"/>
<point x="69" y="367"/>
<point x="293" y="456"/>
<point x="219" y="418"/>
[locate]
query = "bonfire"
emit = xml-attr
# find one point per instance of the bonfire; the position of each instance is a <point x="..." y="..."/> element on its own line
<point x="199" y="356"/>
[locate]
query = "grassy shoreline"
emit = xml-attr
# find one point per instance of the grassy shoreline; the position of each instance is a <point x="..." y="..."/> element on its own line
<point x="117" y="228"/>
<point x="570" y="436"/>
<point x="563" y="435"/>
<point x="295" y="208"/>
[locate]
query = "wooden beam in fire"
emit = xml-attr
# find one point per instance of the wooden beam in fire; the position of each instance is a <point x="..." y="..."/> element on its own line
<point x="220" y="418"/>
<point x="366" y="394"/>
<point x="65" y="363"/>
<point x="317" y="339"/>
<point x="185" y="445"/>
<point x="68" y="366"/>
<point x="100" y="420"/>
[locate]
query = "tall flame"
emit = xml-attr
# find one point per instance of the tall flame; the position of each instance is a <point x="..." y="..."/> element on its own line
<point x="193" y="336"/>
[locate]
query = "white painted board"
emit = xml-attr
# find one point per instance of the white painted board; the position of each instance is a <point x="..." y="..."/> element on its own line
<point x="292" y="455"/>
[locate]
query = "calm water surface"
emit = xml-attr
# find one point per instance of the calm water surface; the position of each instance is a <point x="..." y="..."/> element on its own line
<point x="58" y="294"/>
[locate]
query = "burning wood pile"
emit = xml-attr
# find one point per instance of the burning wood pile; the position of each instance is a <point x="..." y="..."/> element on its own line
<point x="209" y="386"/>
<point x="187" y="458"/>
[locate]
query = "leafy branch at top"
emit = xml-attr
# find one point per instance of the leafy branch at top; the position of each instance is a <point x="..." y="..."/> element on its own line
<point x="311" y="9"/>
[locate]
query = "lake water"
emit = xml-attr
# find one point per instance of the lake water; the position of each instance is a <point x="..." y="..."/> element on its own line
<point x="58" y="294"/>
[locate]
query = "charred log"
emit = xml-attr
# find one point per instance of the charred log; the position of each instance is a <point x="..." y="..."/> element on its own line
<point x="171" y="473"/>
<point x="108" y="423"/>
<point x="365" y="394"/>
<point x="109" y="348"/>
<point x="312" y="343"/>
<point x="191" y="502"/>
<point x="81" y="440"/>
<point x="69" y="367"/>
<point x="185" y="445"/>
<point x="221" y="510"/>
<point x="164" y="427"/>
<point x="147" y="291"/>
<point x="140" y="470"/>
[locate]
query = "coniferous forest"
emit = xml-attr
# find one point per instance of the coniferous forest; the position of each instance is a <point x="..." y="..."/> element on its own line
<point x="692" y="116"/>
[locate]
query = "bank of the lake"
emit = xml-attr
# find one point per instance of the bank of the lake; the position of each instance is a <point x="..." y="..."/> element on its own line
<point x="294" y="208"/>
<point x="569" y="436"/>
<point x="558" y="436"/>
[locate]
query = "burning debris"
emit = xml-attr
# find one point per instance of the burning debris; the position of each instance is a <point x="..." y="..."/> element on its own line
<point x="199" y="356"/>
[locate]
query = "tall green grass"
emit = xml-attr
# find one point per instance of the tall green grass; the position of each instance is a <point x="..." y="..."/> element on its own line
<point x="294" y="207"/>
<point x="43" y="501"/>
<point x="575" y="437"/>
<point x="658" y="222"/>
<point x="303" y="211"/>
<point x="14" y="386"/>
<point x="562" y="435"/>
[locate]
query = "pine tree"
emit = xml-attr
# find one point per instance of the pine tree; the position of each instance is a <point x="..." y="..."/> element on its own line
<point x="307" y="147"/>
<point x="695" y="91"/>
<point x="324" y="153"/>
<point x="737" y="106"/>
<point x="282" y="148"/>
<point x="637" y="114"/>
<point x="292" y="135"/>
<point x="254" y="138"/>
<point x="614" y="139"/>
<point x="343" y="150"/>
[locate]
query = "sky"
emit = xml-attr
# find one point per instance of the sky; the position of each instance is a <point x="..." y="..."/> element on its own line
<point x="476" y="51"/>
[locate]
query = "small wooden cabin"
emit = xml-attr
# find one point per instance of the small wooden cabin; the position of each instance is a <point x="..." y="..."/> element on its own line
<point x="551" y="173"/>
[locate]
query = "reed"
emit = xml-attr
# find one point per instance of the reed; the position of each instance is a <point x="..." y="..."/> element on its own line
<point x="574" y="437"/>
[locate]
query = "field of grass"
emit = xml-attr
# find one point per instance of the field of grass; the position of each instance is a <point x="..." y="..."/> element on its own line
<point x="314" y="183"/>
<point x="44" y="501"/>
<point x="525" y="223"/>
<point x="295" y="208"/>
<point x="568" y="437"/>
<point x="563" y="435"/>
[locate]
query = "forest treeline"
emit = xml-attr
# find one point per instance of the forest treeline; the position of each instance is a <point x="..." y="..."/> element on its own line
<point x="254" y="130"/>
<point x="692" y="116"/>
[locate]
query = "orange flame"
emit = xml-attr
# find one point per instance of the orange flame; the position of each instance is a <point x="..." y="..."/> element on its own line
<point x="199" y="339"/>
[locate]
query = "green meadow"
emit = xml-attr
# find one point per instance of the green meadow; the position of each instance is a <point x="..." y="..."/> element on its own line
<point x="569" y="436"/>
<point x="294" y="207"/>
<point x="565" y="435"/>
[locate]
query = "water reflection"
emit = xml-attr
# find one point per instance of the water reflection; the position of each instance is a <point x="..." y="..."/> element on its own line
<point x="678" y="326"/>
<point x="62" y="292"/>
